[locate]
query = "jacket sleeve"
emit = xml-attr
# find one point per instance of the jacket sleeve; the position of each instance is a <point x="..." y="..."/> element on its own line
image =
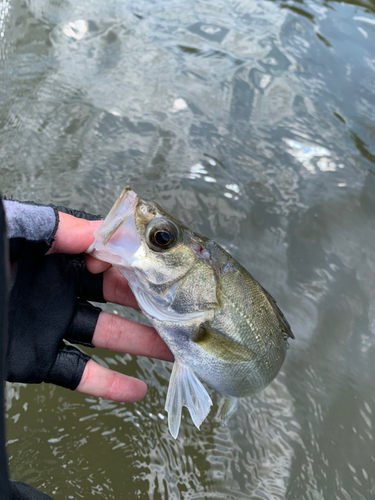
<point x="31" y="228"/>
<point x="4" y="296"/>
<point x="22" y="491"/>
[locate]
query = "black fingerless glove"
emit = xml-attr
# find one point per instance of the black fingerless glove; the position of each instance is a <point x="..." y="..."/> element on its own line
<point x="48" y="303"/>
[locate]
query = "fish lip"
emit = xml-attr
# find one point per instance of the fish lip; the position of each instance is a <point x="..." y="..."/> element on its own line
<point x="105" y="232"/>
<point x="118" y="226"/>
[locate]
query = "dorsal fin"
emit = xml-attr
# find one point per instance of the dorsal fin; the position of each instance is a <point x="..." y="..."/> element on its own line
<point x="284" y="325"/>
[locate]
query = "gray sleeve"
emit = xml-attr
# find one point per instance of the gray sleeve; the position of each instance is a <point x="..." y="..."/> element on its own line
<point x="29" y="222"/>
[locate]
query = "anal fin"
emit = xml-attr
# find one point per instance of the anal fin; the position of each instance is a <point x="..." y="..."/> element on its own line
<point x="185" y="389"/>
<point x="227" y="407"/>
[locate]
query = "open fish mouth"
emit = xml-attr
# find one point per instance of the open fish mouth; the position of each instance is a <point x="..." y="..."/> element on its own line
<point x="117" y="239"/>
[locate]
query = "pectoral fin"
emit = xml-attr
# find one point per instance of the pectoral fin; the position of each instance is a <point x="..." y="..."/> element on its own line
<point x="221" y="346"/>
<point x="185" y="389"/>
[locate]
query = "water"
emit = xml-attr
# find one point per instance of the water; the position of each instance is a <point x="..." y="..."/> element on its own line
<point x="254" y="122"/>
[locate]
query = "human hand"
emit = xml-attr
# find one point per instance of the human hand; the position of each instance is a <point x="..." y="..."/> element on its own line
<point x="113" y="332"/>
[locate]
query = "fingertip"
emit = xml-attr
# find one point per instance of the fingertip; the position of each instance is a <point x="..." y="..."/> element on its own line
<point x="73" y="235"/>
<point x="95" y="223"/>
<point x="142" y="389"/>
<point x="94" y="265"/>
<point x="126" y="389"/>
<point x="104" y="383"/>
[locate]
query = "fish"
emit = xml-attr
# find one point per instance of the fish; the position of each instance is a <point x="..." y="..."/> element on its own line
<point x="223" y="328"/>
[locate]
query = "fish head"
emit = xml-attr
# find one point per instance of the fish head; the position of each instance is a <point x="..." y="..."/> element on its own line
<point x="138" y="235"/>
<point x="166" y="252"/>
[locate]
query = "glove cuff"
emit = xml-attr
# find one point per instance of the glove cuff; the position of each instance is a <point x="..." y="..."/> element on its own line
<point x="31" y="228"/>
<point x="82" y="326"/>
<point x="68" y="368"/>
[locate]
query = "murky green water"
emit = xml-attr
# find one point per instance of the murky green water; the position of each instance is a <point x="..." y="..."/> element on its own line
<point x="253" y="121"/>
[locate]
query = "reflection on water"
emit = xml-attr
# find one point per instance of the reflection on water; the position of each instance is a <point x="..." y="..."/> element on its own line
<point x="76" y="29"/>
<point x="254" y="122"/>
<point x="305" y="153"/>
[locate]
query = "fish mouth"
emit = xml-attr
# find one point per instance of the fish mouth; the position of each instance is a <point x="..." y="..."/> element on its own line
<point x="117" y="239"/>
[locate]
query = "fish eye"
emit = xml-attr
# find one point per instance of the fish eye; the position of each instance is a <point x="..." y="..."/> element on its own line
<point x="161" y="235"/>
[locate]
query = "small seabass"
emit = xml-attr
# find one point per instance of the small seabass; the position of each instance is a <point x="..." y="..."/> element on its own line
<point x="222" y="326"/>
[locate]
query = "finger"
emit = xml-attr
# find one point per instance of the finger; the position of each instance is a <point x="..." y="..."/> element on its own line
<point x="116" y="289"/>
<point x="120" y="334"/>
<point x="104" y="383"/>
<point x="73" y="235"/>
<point x="95" y="266"/>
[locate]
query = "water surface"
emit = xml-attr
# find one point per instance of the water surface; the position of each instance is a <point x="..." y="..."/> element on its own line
<point x="254" y="122"/>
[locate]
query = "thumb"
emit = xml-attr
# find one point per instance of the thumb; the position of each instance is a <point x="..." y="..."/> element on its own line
<point x="73" y="235"/>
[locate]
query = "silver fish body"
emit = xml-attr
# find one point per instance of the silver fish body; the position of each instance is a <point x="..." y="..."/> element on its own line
<point x="221" y="325"/>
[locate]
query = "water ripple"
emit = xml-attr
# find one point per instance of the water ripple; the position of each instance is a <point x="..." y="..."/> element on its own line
<point x="253" y="122"/>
